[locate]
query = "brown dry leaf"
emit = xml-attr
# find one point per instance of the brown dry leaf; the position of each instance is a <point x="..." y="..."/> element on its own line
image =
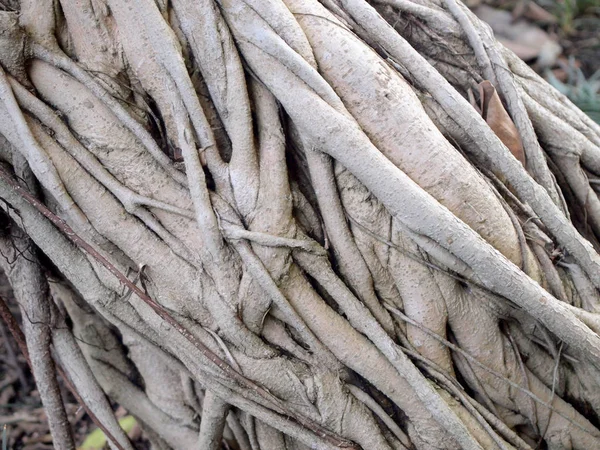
<point x="497" y="118"/>
<point x="532" y="11"/>
<point x="535" y="12"/>
<point x="525" y="39"/>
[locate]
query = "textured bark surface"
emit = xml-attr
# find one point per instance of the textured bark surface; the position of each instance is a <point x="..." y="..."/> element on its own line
<point x="291" y="224"/>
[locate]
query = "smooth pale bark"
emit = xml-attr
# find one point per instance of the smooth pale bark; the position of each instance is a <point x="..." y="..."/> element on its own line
<point x="323" y="244"/>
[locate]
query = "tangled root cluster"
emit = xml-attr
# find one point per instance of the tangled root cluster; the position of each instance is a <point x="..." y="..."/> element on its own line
<point x="281" y="224"/>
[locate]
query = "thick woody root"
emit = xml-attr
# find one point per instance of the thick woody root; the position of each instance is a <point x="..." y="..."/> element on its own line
<point x="31" y="292"/>
<point x="313" y="279"/>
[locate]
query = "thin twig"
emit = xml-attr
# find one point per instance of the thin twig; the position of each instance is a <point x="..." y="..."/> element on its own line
<point x="380" y="412"/>
<point x="525" y="380"/>
<point x="481" y="55"/>
<point x="454" y="387"/>
<point x="554" y="381"/>
<point x="272" y="401"/>
<point x="13" y="358"/>
<point x="474" y="360"/>
<point x="410" y="255"/>
<point x="19" y="338"/>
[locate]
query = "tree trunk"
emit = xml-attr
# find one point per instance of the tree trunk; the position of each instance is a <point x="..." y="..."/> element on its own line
<point x="281" y="224"/>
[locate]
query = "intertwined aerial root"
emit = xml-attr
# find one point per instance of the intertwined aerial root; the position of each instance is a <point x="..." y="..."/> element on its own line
<point x="283" y="224"/>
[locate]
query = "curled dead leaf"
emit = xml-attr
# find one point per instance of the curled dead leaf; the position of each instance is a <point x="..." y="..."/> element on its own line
<point x="497" y="118"/>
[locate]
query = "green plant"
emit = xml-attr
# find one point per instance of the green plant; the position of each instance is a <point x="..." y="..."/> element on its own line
<point x="96" y="440"/>
<point x="584" y="92"/>
<point x="568" y="12"/>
